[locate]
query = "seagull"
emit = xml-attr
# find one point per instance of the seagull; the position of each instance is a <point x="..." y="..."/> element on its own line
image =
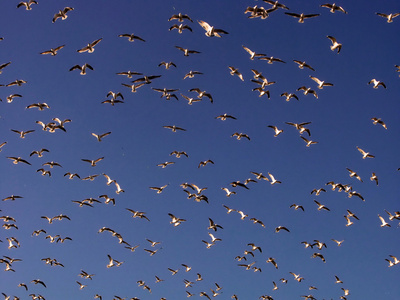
<point x="271" y="59"/>
<point x="321" y="83"/>
<point x="339" y="243"/>
<point x="180" y="17"/>
<point x="262" y="92"/>
<point x="16" y="160"/>
<point x="190" y="100"/>
<point x="11" y="97"/>
<point x="273" y="180"/>
<point x="377" y="83"/>
<point x="354" y="174"/>
<point x="176" y="221"/>
<point x="308" y="142"/>
<point x="93" y="162"/>
<point x="201" y="94"/>
<point x="350" y="214"/>
<point x="365" y="154"/>
<point x="335" y="45"/>
<point x="191" y="74"/>
<point x="213" y="225"/>
<point x="228" y="192"/>
<point x="174" y="128"/>
<point x="27" y="4"/>
<point x="2" y="145"/>
<point x="378" y="121"/>
<point x="319" y="255"/>
<point x="40" y="106"/>
<point x="180" y="27"/>
<point x="279" y="228"/>
<point x="39" y="153"/>
<point x="203" y="163"/>
<point x="333" y="7"/>
<point x="308" y="91"/>
<point x="62" y="14"/>
<point x="260" y="176"/>
<point x="38" y="281"/>
<point x="82" y="68"/>
<point x="303" y="64"/>
<point x="18" y="82"/>
<point x="165" y="164"/>
<point x="289" y="96"/>
<point x="90" y="47"/>
<point x="119" y="190"/>
<point x="384" y="223"/>
<point x="321" y="206"/>
<point x="100" y="136"/>
<point x="186" y="52"/>
<point x="389" y="17"/>
<point x="12" y="198"/>
<point x="252" y="53"/>
<point x="229" y="210"/>
<point x="131" y="37"/>
<point x="275" y="4"/>
<point x="44" y="172"/>
<point x="210" y="30"/>
<point x="225" y="116"/>
<point x="133" y="87"/>
<point x="296" y="207"/>
<point x="235" y="71"/>
<point x="167" y="64"/>
<point x="277" y="131"/>
<point x="158" y="189"/>
<point x="179" y="153"/>
<point x="81" y="286"/>
<point x="240" y="135"/>
<point x="52" y="51"/>
<point x="272" y="260"/>
<point x="301" y="16"/>
<point x="242" y="214"/>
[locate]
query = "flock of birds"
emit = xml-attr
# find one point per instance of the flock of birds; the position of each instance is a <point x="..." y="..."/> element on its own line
<point x="250" y="259"/>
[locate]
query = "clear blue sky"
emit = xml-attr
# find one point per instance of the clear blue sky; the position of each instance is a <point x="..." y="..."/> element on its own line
<point x="340" y="122"/>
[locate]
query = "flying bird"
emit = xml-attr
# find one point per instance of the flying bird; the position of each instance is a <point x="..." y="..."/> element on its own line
<point x="377" y="83"/>
<point x="333" y="7"/>
<point x="131" y="37"/>
<point x="62" y="14"/>
<point x="365" y="154"/>
<point x="52" y="51"/>
<point x="82" y="68"/>
<point x="301" y="16"/>
<point x="335" y="45"/>
<point x="389" y="17"/>
<point x="210" y="30"/>
<point x="89" y="47"/>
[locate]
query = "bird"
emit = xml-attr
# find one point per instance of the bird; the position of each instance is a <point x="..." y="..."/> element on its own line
<point x="18" y="82"/>
<point x="225" y="116"/>
<point x="213" y="225"/>
<point x="27" y="4"/>
<point x="190" y="100"/>
<point x="377" y="83"/>
<point x="308" y="91"/>
<point x="252" y="53"/>
<point x="273" y="262"/>
<point x="180" y="27"/>
<point x="296" y="207"/>
<point x="354" y="174"/>
<point x="186" y="51"/>
<point x="180" y="17"/>
<point x="321" y="206"/>
<point x="333" y="7"/>
<point x="339" y="243"/>
<point x="131" y="37"/>
<point x="262" y="92"/>
<point x="11" y="97"/>
<point x="210" y="30"/>
<point x="100" y="136"/>
<point x="178" y="154"/>
<point x="273" y="180"/>
<point x="52" y="51"/>
<point x="2" y="145"/>
<point x="38" y="281"/>
<point x="235" y="71"/>
<point x="279" y="228"/>
<point x="176" y="221"/>
<point x="92" y="162"/>
<point x="319" y="255"/>
<point x="173" y="271"/>
<point x="276" y="4"/>
<point x="303" y="64"/>
<point x="240" y="135"/>
<point x="350" y="214"/>
<point x="202" y="94"/>
<point x="2" y="66"/>
<point x="62" y="14"/>
<point x="165" y="164"/>
<point x="335" y="45"/>
<point x="40" y="106"/>
<point x="289" y="96"/>
<point x="271" y="59"/>
<point x="365" y="154"/>
<point x="81" y="286"/>
<point x="384" y="223"/>
<point x="82" y="68"/>
<point x="71" y="175"/>
<point x="89" y="47"/>
<point x="260" y="176"/>
<point x="133" y="87"/>
<point x="228" y="192"/>
<point x="308" y="142"/>
<point x="39" y="153"/>
<point x="167" y="64"/>
<point x="44" y="172"/>
<point x="389" y="17"/>
<point x="301" y="16"/>
<point x="16" y="160"/>
<point x="378" y="121"/>
<point x="321" y="83"/>
<point x="174" y="128"/>
<point x="191" y="74"/>
<point x="204" y="163"/>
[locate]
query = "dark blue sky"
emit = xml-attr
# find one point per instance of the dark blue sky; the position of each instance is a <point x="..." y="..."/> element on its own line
<point x="340" y="122"/>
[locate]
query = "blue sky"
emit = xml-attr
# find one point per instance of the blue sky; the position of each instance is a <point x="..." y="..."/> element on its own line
<point x="340" y="122"/>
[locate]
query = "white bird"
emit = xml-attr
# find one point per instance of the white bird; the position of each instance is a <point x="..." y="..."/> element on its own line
<point x="228" y="192"/>
<point x="301" y="16"/>
<point x="308" y="142"/>
<point x="52" y="51"/>
<point x="210" y="30"/>
<point x="335" y="44"/>
<point x="303" y="64"/>
<point x="333" y="7"/>
<point x="131" y="37"/>
<point x="321" y="83"/>
<point x="82" y="68"/>
<point x="384" y="223"/>
<point x="378" y="121"/>
<point x="252" y="53"/>
<point x="389" y="17"/>
<point x="273" y="180"/>
<point x="235" y="71"/>
<point x="89" y="47"/>
<point x="365" y="154"/>
<point x="377" y="83"/>
<point x="62" y="14"/>
<point x="100" y="136"/>
<point x="27" y="4"/>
